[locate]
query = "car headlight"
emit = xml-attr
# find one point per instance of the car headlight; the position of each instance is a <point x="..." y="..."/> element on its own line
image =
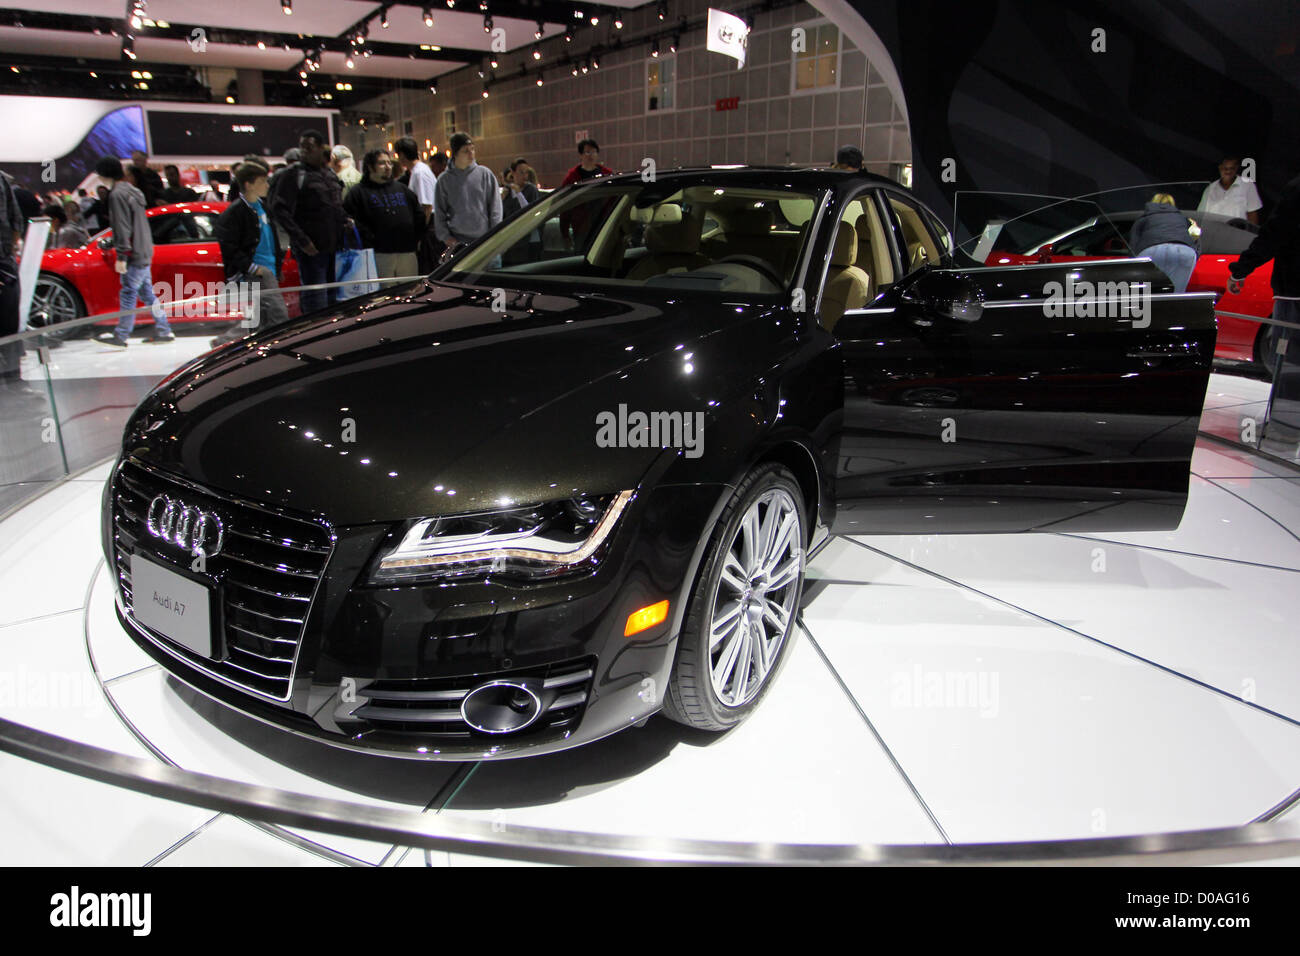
<point x="537" y="541"/>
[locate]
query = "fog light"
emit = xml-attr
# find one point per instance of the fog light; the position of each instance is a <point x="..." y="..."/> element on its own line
<point x="646" y="617"/>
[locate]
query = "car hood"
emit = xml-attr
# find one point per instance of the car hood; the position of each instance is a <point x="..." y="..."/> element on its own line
<point x="427" y="401"/>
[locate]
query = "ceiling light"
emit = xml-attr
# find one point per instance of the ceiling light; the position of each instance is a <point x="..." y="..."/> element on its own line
<point x="618" y="21"/>
<point x="427" y="13"/>
<point x="595" y="62"/>
<point x="494" y="63"/>
<point x="673" y="44"/>
<point x="537" y="53"/>
<point x="568" y="36"/>
<point x="383" y="19"/>
<point x="595" y="20"/>
<point x="584" y="68"/>
<point x="537" y="34"/>
<point x="433" y="87"/>
<point x="539" y="79"/>
<point x="485" y="91"/>
<point x="487" y="24"/>
<point x="286" y="6"/>
<point x="662" y="9"/>
<point x="350" y="63"/>
<point x="654" y="49"/>
<point x="261" y="44"/>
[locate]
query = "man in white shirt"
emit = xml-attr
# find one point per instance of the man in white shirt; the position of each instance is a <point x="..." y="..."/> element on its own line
<point x="421" y="181"/>
<point x="1230" y="195"/>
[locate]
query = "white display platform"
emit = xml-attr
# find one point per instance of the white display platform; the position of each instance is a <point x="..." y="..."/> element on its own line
<point x="944" y="688"/>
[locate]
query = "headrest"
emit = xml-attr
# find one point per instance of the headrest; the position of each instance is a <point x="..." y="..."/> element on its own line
<point x="863" y="228"/>
<point x="672" y="233"/>
<point x="846" y="248"/>
<point x="669" y="212"/>
<point x="749" y="221"/>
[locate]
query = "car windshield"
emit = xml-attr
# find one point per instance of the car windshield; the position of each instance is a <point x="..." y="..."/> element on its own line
<point x="706" y="237"/>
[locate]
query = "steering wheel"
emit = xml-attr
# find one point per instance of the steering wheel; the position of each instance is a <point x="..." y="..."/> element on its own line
<point x="761" y="266"/>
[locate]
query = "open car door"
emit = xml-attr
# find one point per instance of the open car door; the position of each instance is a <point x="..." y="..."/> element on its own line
<point x="1054" y="397"/>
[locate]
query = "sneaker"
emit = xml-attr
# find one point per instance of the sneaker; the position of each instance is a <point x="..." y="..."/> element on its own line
<point x="160" y="337"/>
<point x="110" y="338"/>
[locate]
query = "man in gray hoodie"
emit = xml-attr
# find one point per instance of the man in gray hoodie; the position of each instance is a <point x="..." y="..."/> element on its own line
<point x="467" y="203"/>
<point x="134" y="244"/>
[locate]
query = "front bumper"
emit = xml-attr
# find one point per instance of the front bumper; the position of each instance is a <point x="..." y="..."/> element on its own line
<point x="377" y="669"/>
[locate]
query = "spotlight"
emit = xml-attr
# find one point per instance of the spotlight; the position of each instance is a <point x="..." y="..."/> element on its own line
<point x="350" y="63"/>
<point x="654" y="49"/>
<point x="366" y="53"/>
<point x="618" y="21"/>
<point x="383" y="19"/>
<point x="595" y="62"/>
<point x="261" y="44"/>
<point x="482" y="6"/>
<point x="662" y="9"/>
<point x="494" y="63"/>
<point x="427" y="13"/>
<point x="286" y="7"/>
<point x="302" y="74"/>
<point x="451" y="4"/>
<point x="537" y="34"/>
<point x="672" y="46"/>
<point x="433" y="87"/>
<point x="128" y="46"/>
<point x="574" y="71"/>
<point x="485" y="91"/>
<point x="539" y="79"/>
<point x="568" y="36"/>
<point x="537" y="53"/>
<point x="487" y="24"/>
<point x="584" y="68"/>
<point x="595" y="20"/>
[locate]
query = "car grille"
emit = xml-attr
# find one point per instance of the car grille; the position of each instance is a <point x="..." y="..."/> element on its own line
<point x="432" y="707"/>
<point x="267" y="572"/>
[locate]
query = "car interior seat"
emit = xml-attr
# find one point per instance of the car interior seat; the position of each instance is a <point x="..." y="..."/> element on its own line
<point x="866" y="253"/>
<point x="673" y="242"/>
<point x="847" y="284"/>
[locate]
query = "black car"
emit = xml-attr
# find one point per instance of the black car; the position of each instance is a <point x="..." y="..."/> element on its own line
<point x="510" y="509"/>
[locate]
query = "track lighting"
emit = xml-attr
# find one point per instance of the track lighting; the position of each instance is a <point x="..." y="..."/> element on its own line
<point x="654" y="49"/>
<point x="487" y="23"/>
<point x="350" y="63"/>
<point x="286" y="7"/>
<point x="383" y="19"/>
<point x="494" y="62"/>
<point x="662" y="9"/>
<point x="672" y="46"/>
<point x="537" y="53"/>
<point x="595" y="20"/>
<point x="595" y="62"/>
<point x="128" y="46"/>
<point x="539" y="79"/>
<point x="584" y="68"/>
<point x="427" y="13"/>
<point x="618" y="21"/>
<point x="537" y="34"/>
<point x="485" y="91"/>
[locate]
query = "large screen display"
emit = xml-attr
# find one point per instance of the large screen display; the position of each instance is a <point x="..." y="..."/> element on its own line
<point x="228" y="134"/>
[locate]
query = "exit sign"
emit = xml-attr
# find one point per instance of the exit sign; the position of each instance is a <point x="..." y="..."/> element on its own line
<point x="728" y="103"/>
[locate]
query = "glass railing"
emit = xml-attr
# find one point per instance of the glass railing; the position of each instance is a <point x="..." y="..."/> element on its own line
<point x="64" y="409"/>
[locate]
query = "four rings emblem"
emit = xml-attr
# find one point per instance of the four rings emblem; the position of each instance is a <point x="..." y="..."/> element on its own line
<point x="197" y="531"/>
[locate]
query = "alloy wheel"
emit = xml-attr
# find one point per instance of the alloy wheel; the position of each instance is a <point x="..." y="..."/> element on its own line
<point x="755" y="598"/>
<point x="52" y="304"/>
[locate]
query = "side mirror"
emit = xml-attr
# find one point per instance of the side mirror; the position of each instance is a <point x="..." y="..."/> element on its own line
<point x="953" y="296"/>
<point x="105" y="244"/>
<point x="1046" y="252"/>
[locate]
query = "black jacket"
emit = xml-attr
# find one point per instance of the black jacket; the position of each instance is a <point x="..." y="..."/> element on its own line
<point x="238" y="233"/>
<point x="389" y="217"/>
<point x="1159" y="223"/>
<point x="308" y="204"/>
<point x="1279" y="240"/>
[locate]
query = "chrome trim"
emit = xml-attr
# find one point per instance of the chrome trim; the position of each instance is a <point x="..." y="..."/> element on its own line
<point x="565" y="679"/>
<point x="372" y="712"/>
<point x="185" y="526"/>
<point x="1074" y="303"/>
<point x="813" y="229"/>
<point x="1085" y="263"/>
<point x="505" y="682"/>
<point x="568" y="700"/>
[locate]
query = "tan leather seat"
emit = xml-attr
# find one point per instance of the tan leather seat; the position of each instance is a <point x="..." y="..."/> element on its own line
<point x="673" y="243"/>
<point x="847" y="285"/>
<point x="866" y="254"/>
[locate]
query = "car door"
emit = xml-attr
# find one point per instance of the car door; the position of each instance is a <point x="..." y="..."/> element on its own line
<point x="1016" y="398"/>
<point x="187" y="259"/>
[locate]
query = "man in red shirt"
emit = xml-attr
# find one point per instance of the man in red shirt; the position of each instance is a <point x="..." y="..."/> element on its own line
<point x="573" y="225"/>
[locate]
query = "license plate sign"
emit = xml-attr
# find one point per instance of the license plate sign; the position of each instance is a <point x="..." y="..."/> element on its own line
<point x="173" y="605"/>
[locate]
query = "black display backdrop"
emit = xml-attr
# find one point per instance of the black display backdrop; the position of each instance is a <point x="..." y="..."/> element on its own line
<point x="226" y="134"/>
<point x="1024" y="95"/>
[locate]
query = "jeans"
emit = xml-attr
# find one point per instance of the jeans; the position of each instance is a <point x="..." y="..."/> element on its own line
<point x="138" y="282"/>
<point x="1174" y="259"/>
<point x="271" y="310"/>
<point x="315" y="270"/>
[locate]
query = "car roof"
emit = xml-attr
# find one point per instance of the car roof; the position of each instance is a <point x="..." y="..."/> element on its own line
<point x="807" y="177"/>
<point x="186" y="207"/>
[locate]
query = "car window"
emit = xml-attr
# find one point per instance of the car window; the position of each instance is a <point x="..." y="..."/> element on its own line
<point x="1102" y="238"/>
<point x="702" y="237"/>
<point x="181" y="227"/>
<point x="916" y="245"/>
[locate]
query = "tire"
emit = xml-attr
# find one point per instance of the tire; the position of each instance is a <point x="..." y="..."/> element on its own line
<point x="709" y="687"/>
<point x="55" y="301"/>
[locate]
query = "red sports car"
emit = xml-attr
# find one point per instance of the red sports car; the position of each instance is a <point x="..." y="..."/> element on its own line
<point x="1222" y="240"/>
<point x="186" y="263"/>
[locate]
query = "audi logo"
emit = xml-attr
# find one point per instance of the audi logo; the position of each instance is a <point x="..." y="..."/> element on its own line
<point x="195" y="530"/>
